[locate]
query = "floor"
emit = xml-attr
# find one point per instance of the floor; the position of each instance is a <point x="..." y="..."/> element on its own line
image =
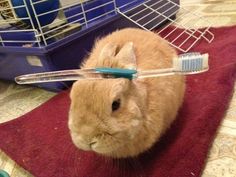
<point x="17" y="100"/>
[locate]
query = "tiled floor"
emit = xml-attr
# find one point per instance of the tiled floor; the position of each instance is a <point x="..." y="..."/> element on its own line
<point x="16" y="100"/>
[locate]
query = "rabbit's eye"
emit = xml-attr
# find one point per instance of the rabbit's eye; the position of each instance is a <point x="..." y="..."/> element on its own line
<point x="116" y="105"/>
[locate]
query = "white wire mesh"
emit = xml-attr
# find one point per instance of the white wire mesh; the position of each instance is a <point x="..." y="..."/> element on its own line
<point x="76" y="15"/>
<point x="152" y="14"/>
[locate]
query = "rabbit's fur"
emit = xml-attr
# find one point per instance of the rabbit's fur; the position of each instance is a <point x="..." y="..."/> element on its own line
<point x="147" y="106"/>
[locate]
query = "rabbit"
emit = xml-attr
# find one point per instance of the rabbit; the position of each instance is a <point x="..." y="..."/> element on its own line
<point x="121" y="117"/>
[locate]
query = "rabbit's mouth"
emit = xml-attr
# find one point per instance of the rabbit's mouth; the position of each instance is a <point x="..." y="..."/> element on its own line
<point x="106" y="145"/>
<point x="113" y="149"/>
<point x="103" y="144"/>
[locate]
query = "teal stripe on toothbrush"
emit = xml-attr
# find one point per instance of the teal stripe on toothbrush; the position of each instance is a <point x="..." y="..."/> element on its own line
<point x="117" y="72"/>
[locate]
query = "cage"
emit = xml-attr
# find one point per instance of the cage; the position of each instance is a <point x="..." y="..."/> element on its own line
<point x="49" y="35"/>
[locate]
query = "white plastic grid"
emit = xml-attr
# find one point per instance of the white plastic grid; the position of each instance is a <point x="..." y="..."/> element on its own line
<point x="148" y="15"/>
<point x="184" y="39"/>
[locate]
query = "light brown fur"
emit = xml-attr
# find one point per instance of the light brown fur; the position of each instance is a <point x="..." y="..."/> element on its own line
<point x="148" y="106"/>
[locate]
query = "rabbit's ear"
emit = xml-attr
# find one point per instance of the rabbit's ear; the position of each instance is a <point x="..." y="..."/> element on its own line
<point x="108" y="51"/>
<point x="126" y="56"/>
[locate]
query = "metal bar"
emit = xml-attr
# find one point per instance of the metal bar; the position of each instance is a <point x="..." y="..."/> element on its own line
<point x="39" y="25"/>
<point x="180" y="45"/>
<point x="132" y="20"/>
<point x="137" y="13"/>
<point x="200" y="17"/>
<point x="181" y="16"/>
<point x="184" y="31"/>
<point x="162" y="20"/>
<point x="115" y="6"/>
<point x="59" y="22"/>
<point x="169" y="19"/>
<point x="132" y="7"/>
<point x="12" y="20"/>
<point x="144" y="9"/>
<point x="158" y="15"/>
<point x="62" y="26"/>
<point x="84" y="14"/>
<point x="2" y="41"/>
<point x="140" y="12"/>
<point x="125" y="5"/>
<point x="37" y="2"/>
<point x="20" y="41"/>
<point x="202" y="34"/>
<point x="147" y="14"/>
<point x="15" y="7"/>
<point x="18" y="30"/>
<point x="64" y="7"/>
<point x="56" y="34"/>
<point x="191" y="32"/>
<point x="97" y="7"/>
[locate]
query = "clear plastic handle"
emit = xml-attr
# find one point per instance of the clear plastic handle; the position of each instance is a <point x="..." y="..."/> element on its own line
<point x="64" y="75"/>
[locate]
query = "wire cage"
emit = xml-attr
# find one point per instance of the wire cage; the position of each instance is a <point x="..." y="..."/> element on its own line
<point x="47" y="35"/>
<point x="150" y="15"/>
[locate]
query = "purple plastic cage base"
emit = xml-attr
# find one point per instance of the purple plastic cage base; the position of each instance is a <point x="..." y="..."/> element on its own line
<point x="14" y="60"/>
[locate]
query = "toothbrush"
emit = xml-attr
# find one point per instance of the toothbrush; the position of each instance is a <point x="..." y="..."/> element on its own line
<point x="189" y="63"/>
<point x="185" y="64"/>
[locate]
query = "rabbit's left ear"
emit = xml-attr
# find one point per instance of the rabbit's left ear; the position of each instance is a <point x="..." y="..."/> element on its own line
<point x="126" y="56"/>
<point x="109" y="50"/>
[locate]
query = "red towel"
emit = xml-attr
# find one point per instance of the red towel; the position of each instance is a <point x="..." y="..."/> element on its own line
<point x="39" y="141"/>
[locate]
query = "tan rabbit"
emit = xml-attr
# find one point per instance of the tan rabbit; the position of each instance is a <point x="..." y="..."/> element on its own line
<point x="120" y="117"/>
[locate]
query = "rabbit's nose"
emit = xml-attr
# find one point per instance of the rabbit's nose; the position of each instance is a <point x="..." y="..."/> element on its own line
<point x="93" y="143"/>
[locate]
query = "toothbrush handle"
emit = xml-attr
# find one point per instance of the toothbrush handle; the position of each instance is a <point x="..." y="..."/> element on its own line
<point x="70" y="75"/>
<point x="65" y="75"/>
<point x="155" y="73"/>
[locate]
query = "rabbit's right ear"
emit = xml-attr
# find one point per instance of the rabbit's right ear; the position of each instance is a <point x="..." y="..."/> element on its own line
<point x="126" y="56"/>
<point x="109" y="50"/>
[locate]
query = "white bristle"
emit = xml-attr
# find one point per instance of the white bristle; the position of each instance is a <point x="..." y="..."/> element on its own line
<point x="191" y="62"/>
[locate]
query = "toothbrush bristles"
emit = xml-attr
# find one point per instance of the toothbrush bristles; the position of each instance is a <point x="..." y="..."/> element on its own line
<point x="193" y="62"/>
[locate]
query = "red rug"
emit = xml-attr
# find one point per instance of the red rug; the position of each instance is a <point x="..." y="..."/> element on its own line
<point x="39" y="141"/>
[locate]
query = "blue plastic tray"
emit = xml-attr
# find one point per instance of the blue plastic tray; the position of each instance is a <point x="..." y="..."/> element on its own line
<point x="66" y="53"/>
